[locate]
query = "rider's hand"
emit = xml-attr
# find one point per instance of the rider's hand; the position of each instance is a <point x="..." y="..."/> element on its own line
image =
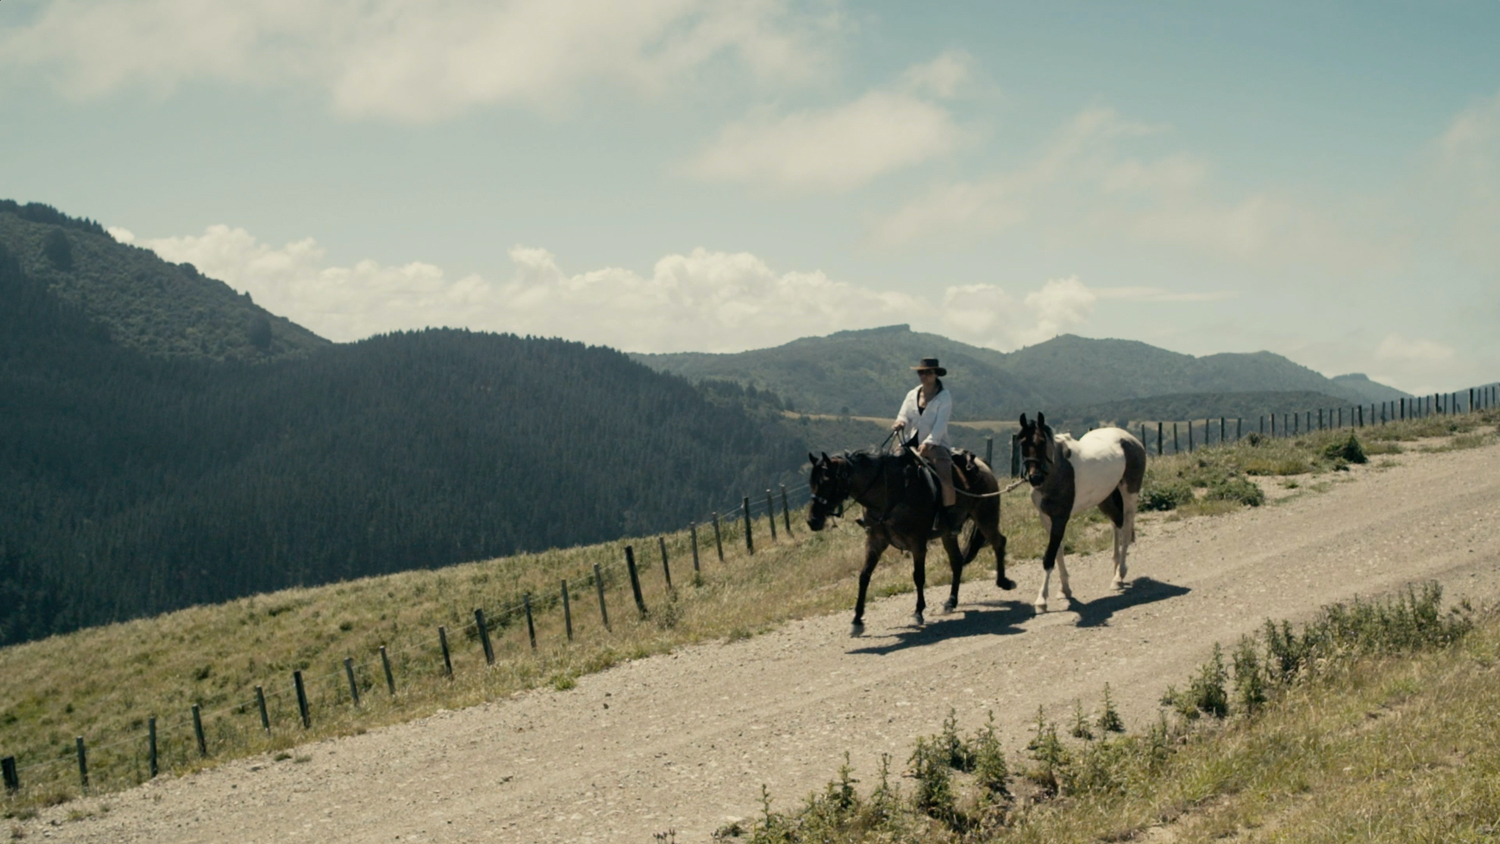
<point x="899" y="425"/>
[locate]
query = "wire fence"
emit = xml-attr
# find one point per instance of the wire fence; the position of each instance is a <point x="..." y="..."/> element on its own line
<point x="193" y="735"/>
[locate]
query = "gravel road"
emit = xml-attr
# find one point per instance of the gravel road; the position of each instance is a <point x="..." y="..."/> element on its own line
<point x="685" y="741"/>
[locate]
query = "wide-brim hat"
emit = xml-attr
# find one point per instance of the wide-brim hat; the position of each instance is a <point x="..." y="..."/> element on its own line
<point x="932" y="364"/>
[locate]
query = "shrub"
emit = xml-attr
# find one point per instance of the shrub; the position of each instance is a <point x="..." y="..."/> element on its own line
<point x="1348" y="450"/>
<point x="1236" y="489"/>
<point x="1166" y="496"/>
<point x="929" y="767"/>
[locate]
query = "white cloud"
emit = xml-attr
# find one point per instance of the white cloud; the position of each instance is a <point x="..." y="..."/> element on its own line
<point x="832" y="149"/>
<point x="1085" y="183"/>
<point x="1463" y="188"/>
<point x="698" y="301"/>
<point x="408" y="59"/>
<point x="947" y="76"/>
<point x="1398" y="349"/>
<point x="1160" y="294"/>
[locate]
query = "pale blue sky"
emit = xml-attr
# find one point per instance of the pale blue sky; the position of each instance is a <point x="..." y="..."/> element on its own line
<point x="1318" y="180"/>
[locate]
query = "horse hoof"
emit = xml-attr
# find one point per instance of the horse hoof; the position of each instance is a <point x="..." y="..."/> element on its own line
<point x="856" y="630"/>
<point x="1005" y="583"/>
<point x="949" y="606"/>
<point x="1040" y="606"/>
<point x="1119" y="585"/>
<point x="917" y="620"/>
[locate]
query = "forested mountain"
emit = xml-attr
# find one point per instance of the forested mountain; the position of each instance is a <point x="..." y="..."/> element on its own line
<point x="862" y="373"/>
<point x="866" y="373"/>
<point x="133" y="482"/>
<point x="145" y="303"/>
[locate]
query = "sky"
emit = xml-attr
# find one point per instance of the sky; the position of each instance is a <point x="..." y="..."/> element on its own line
<point x="1319" y="180"/>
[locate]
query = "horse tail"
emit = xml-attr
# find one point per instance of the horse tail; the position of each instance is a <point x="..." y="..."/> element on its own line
<point x="972" y="543"/>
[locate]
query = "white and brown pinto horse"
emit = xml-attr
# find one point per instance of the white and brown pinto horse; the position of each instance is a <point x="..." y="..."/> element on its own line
<point x="1104" y="468"/>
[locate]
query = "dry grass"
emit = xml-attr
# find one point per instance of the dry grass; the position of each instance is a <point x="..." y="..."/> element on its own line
<point x="103" y="683"/>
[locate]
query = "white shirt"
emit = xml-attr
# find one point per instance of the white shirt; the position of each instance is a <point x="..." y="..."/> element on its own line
<point x="930" y="425"/>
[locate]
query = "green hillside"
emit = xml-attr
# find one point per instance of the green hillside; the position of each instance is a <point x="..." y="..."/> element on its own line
<point x="134" y="482"/>
<point x="865" y="373"/>
<point x="141" y="301"/>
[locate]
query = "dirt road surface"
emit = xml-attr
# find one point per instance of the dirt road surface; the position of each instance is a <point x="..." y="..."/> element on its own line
<point x="684" y="742"/>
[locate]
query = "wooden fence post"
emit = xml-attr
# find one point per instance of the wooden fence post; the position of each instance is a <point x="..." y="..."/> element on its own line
<point x="1015" y="456"/>
<point x="1176" y="448"/>
<point x="786" y="512"/>
<point x="567" y="611"/>
<point x="447" y="659"/>
<point x="530" y="626"/>
<point x="484" y="636"/>
<point x="1190" y="436"/>
<point x="749" y="539"/>
<point x="1361" y="416"/>
<point x="390" y="678"/>
<point x="718" y="537"/>
<point x="693" y="536"/>
<point x="12" y="776"/>
<point x="83" y="764"/>
<point x="635" y="580"/>
<point x="666" y="568"/>
<point x="198" y="731"/>
<point x="771" y="515"/>
<point x="151" y="746"/>
<point x="1223" y="426"/>
<point x="599" y="585"/>
<point x="1158" y="439"/>
<point x="301" y="700"/>
<point x="353" y="686"/>
<point x="260" y="702"/>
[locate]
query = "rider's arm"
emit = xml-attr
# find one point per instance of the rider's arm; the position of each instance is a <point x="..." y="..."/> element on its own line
<point x="908" y="412"/>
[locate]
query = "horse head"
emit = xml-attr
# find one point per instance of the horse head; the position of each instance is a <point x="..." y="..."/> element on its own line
<point x="1038" y="449"/>
<point x="829" y="484"/>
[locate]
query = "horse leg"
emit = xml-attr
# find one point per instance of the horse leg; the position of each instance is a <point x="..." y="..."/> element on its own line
<point x="919" y="578"/>
<point x="956" y="563"/>
<point x="874" y="547"/>
<point x="1114" y="508"/>
<point x="1127" y="536"/>
<point x="1055" y="530"/>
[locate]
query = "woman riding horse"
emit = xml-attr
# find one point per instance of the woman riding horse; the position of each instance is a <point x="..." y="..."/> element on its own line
<point x="899" y="508"/>
<point x="927" y="409"/>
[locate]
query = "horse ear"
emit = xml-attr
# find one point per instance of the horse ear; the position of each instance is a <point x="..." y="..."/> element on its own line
<point x="826" y="458"/>
<point x="1040" y="419"/>
<point x="811" y="458"/>
<point x="1024" y="423"/>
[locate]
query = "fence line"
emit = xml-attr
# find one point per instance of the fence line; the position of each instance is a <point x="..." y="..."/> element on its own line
<point x="726" y="523"/>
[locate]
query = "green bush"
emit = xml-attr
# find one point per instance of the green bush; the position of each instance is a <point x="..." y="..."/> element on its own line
<point x="1236" y="489"/>
<point x="1348" y="450"/>
<point x="1168" y="495"/>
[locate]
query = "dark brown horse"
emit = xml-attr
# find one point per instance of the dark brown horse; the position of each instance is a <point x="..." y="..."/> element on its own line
<point x="899" y="508"/>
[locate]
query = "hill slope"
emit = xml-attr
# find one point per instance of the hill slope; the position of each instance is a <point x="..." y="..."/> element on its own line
<point x="143" y="302"/>
<point x="134" y="479"/>
<point x="866" y="372"/>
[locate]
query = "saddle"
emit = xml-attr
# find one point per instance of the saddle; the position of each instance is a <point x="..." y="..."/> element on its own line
<point x="965" y="466"/>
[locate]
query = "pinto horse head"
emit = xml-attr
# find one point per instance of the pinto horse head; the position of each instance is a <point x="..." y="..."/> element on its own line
<point x="829" y="484"/>
<point x="1038" y="449"/>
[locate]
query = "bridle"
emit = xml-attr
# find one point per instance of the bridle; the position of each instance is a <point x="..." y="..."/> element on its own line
<point x="843" y="475"/>
<point x="1039" y="459"/>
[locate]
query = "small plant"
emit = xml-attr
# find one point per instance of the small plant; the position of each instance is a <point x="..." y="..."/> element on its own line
<point x="990" y="771"/>
<point x="1048" y="754"/>
<point x="1205" y="693"/>
<point x="1236" y="489"/>
<point x="1349" y="450"/>
<point x="1166" y="496"/>
<point x="1080" y="728"/>
<point x="929" y="767"/>
<point x="957" y="754"/>
<point x="1249" y="679"/>
<point x="1109" y="718"/>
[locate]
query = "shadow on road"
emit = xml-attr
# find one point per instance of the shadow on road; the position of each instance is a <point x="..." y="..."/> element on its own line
<point x="997" y="618"/>
<point x="1003" y="618"/>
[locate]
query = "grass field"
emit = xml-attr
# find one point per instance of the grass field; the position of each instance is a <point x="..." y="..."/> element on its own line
<point x="103" y="684"/>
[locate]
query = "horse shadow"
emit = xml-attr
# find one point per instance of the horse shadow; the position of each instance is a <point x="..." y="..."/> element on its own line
<point x="1004" y="618"/>
<point x="998" y="618"/>
<point x="1142" y="590"/>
